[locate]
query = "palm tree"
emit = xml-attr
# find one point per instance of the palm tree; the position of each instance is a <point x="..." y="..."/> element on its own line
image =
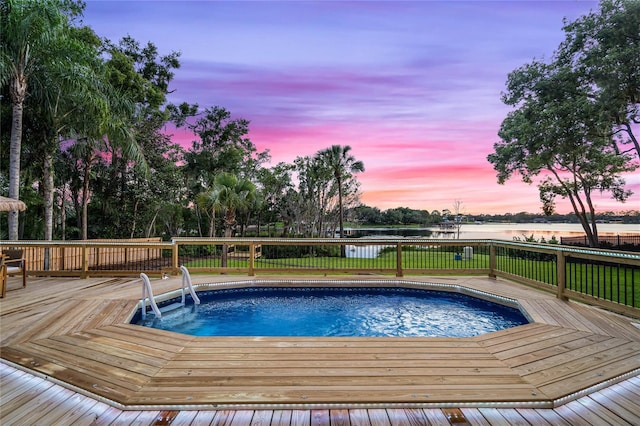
<point x="210" y="202"/>
<point x="342" y="165"/>
<point x="78" y="84"/>
<point x="234" y="195"/>
<point x="28" y="29"/>
<point x="229" y="196"/>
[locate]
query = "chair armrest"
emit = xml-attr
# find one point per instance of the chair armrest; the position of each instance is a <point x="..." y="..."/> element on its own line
<point x="13" y="262"/>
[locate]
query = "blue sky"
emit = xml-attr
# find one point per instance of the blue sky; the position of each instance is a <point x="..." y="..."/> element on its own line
<point x="413" y="87"/>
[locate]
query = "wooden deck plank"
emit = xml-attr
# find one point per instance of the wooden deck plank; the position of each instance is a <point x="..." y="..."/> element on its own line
<point x="359" y="417"/>
<point x="579" y="412"/>
<point x="548" y="347"/>
<point x="445" y="417"/>
<point x="379" y="417"/>
<point x="533" y="417"/>
<point x="51" y="359"/>
<point x="242" y="418"/>
<point x="281" y="418"/>
<point x="576" y="357"/>
<point x="606" y="364"/>
<point x="261" y="418"/>
<point x="74" y="409"/>
<point x="77" y="333"/>
<point x="619" y="403"/>
<point x="20" y="382"/>
<point x="572" y="417"/>
<point x="474" y="416"/>
<point x="186" y="418"/>
<point x="47" y="401"/>
<point x="596" y="412"/>
<point x="16" y="408"/>
<point x="107" y="416"/>
<point x="204" y="417"/>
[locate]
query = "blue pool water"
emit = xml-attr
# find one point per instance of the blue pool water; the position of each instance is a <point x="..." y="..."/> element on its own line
<point x="336" y="311"/>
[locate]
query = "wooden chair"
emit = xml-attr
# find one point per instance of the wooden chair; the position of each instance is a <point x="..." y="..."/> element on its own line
<point x="14" y="264"/>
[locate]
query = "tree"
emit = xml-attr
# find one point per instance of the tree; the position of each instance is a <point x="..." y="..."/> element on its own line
<point x="315" y="197"/>
<point x="229" y="196"/>
<point x="74" y="84"/>
<point x="233" y="196"/>
<point x="556" y="132"/>
<point x="222" y="147"/>
<point x="342" y="165"/>
<point x="275" y="183"/>
<point x="28" y="30"/>
<point x="604" y="47"/>
<point x="457" y="209"/>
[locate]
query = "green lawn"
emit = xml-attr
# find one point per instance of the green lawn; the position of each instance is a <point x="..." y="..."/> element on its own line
<point x="607" y="282"/>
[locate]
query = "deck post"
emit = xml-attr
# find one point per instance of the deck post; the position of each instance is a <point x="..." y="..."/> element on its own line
<point x="562" y="274"/>
<point x="85" y="262"/>
<point x="399" y="272"/>
<point x="252" y="259"/>
<point x="174" y="258"/>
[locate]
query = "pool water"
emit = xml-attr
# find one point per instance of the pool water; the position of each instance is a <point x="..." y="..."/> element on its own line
<point x="336" y="311"/>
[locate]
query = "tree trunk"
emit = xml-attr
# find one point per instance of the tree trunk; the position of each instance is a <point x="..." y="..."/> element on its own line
<point x="343" y="252"/>
<point x="63" y="214"/>
<point x="85" y="201"/>
<point x="135" y="215"/>
<point x="212" y="223"/>
<point x="636" y="145"/>
<point x="17" y="91"/>
<point x="47" y="190"/>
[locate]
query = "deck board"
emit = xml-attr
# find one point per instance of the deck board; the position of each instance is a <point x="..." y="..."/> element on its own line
<point x="596" y="409"/>
<point x="75" y="331"/>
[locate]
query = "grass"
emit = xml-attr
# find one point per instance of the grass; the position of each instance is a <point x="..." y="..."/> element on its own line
<point x="612" y="283"/>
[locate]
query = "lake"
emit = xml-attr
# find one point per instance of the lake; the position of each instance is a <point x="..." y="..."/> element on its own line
<point x="501" y="231"/>
<point x="485" y="231"/>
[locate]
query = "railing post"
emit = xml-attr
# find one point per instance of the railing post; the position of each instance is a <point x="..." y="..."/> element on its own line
<point x="62" y="264"/>
<point x="399" y="272"/>
<point x="562" y="274"/>
<point x="85" y="262"/>
<point x="492" y="260"/>
<point x="174" y="258"/>
<point x="252" y="258"/>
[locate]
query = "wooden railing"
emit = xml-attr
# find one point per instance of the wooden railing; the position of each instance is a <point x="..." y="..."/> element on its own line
<point x="608" y="278"/>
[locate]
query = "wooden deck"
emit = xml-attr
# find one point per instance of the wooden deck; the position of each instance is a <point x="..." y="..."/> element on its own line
<point x="74" y="332"/>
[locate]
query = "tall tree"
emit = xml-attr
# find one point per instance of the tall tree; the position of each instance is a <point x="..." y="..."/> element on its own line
<point x="28" y="30"/>
<point x="133" y="150"/>
<point x="222" y="146"/>
<point x="555" y="133"/>
<point x="342" y="165"/>
<point x="274" y="183"/>
<point x="74" y="84"/>
<point x="604" y="47"/>
<point x="229" y="196"/>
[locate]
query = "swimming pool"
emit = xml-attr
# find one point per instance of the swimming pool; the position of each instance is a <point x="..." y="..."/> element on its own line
<point x="337" y="311"/>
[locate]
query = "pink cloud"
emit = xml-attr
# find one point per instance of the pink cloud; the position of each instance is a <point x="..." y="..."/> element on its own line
<point x="413" y="87"/>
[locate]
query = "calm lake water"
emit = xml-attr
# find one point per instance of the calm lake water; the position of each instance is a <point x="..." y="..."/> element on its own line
<point x="485" y="231"/>
<point x="503" y="231"/>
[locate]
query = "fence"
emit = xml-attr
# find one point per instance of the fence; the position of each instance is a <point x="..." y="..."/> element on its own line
<point x="604" y="277"/>
<point x="625" y="242"/>
<point x="93" y="257"/>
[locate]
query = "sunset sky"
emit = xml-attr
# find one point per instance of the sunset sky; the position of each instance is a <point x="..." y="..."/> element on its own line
<point x="413" y="87"/>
